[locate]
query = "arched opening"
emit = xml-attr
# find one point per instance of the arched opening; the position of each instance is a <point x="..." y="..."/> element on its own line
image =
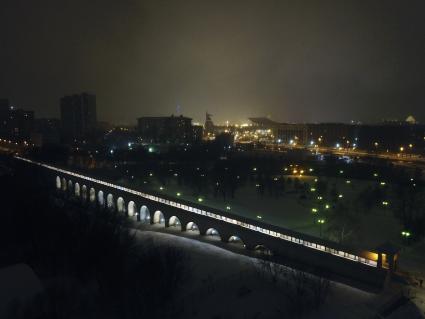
<point x="158" y="218"/>
<point x="58" y="182"/>
<point x="92" y="195"/>
<point x="110" y="201"/>
<point x="84" y="192"/>
<point x="77" y="191"/>
<point x="63" y="184"/>
<point x="236" y="241"/>
<point x="120" y="205"/>
<point x="174" y="221"/>
<point x="213" y="234"/>
<point x="132" y="209"/>
<point x="145" y="216"/>
<point x="263" y="250"/>
<point x="101" y="199"/>
<point x="192" y="228"/>
<point x="70" y="188"/>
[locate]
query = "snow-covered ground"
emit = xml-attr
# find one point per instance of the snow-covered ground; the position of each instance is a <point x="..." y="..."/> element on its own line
<point x="224" y="284"/>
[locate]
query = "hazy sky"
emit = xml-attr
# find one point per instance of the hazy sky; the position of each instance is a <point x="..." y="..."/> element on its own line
<point x="294" y="60"/>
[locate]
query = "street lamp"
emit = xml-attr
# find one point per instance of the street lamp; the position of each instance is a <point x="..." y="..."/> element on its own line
<point x="405" y="234"/>
<point x="320" y="221"/>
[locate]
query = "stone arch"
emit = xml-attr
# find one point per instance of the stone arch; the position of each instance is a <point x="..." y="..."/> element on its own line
<point x="236" y="240"/>
<point x="110" y="201"/>
<point x="145" y="216"/>
<point x="101" y="199"/>
<point x="84" y="192"/>
<point x="132" y="209"/>
<point x="64" y="184"/>
<point x="77" y="190"/>
<point x="174" y="221"/>
<point x="192" y="227"/>
<point x="121" y="205"/>
<point x="70" y="188"/>
<point x="213" y="233"/>
<point x="92" y="195"/>
<point x="158" y="218"/>
<point x="58" y="182"/>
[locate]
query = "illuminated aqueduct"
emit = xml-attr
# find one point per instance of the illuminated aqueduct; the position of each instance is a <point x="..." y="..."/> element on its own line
<point x="144" y="215"/>
<point x="160" y="210"/>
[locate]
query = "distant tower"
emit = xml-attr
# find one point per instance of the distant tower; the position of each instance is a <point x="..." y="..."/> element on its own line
<point x="209" y="125"/>
<point x="178" y="109"/>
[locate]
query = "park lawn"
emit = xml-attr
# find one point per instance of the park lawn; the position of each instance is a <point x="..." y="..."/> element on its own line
<point x="289" y="211"/>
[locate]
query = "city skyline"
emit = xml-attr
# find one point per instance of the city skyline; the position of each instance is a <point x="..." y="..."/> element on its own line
<point x="303" y="62"/>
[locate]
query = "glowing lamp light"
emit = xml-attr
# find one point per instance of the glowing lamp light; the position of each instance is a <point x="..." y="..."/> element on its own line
<point x="327" y="206"/>
<point x="314" y="210"/>
<point x="259" y="217"/>
<point x="340" y="196"/>
<point x="161" y="188"/>
<point x="178" y="194"/>
<point x="385" y="203"/>
<point x="228" y="207"/>
<point x="321" y="221"/>
<point x="200" y="199"/>
<point x="405" y="234"/>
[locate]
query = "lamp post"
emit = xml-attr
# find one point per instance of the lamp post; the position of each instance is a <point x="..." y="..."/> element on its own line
<point x="320" y="221"/>
<point x="406" y="234"/>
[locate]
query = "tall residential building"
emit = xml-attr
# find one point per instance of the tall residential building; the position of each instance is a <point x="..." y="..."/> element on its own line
<point x="78" y="116"/>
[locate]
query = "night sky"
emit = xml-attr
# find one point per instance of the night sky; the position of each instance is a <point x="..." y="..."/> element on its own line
<point x="292" y="60"/>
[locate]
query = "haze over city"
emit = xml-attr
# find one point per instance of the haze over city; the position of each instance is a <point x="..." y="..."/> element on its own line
<point x="212" y="159"/>
<point x="295" y="61"/>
